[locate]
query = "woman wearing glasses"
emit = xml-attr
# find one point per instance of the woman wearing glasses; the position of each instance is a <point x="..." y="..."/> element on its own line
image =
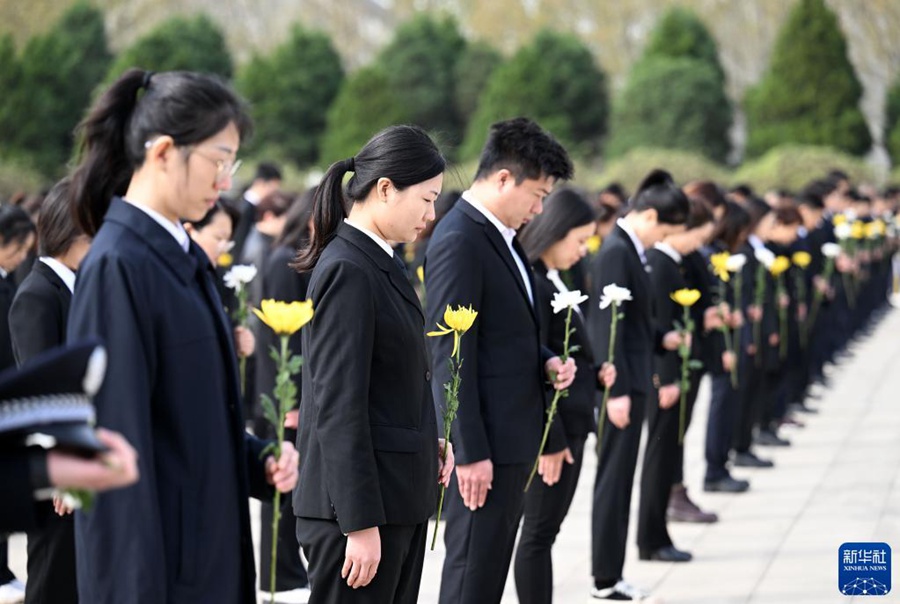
<point x="158" y="149"/>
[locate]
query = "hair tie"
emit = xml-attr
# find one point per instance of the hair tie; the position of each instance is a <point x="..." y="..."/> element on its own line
<point x="351" y="164"/>
<point x="145" y="84"/>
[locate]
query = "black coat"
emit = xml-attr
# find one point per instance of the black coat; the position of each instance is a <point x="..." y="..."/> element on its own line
<point x="367" y="437"/>
<point x="637" y="337"/>
<point x="246" y="219"/>
<point x="502" y="400"/>
<point x="665" y="278"/>
<point x="39" y="313"/>
<point x="576" y="411"/>
<point x="182" y="533"/>
<point x="7" y="293"/>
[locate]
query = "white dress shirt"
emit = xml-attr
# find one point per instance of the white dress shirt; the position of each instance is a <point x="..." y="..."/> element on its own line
<point x="508" y="235"/>
<point x="634" y="239"/>
<point x="381" y="242"/>
<point x="62" y="271"/>
<point x="174" y="228"/>
<point x="669" y="251"/>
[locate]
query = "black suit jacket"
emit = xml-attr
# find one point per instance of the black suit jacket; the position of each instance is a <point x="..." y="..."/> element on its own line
<point x="502" y="397"/>
<point x="666" y="277"/>
<point x="368" y="436"/>
<point x="39" y="313"/>
<point x="7" y="293"/>
<point x="246" y="220"/>
<point x="576" y="411"/>
<point x="637" y="338"/>
<point x="182" y="533"/>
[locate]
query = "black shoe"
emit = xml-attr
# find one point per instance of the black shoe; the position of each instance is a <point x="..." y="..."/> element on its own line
<point x="768" y="438"/>
<point x="666" y="554"/>
<point x="726" y="485"/>
<point x="748" y="459"/>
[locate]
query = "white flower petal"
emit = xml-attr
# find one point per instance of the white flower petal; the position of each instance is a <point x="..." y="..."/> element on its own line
<point x="831" y="250"/>
<point x="565" y="300"/>
<point x="239" y="275"/>
<point x="735" y="263"/>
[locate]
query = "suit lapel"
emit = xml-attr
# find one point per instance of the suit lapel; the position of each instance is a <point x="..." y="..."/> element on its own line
<point x="62" y="291"/>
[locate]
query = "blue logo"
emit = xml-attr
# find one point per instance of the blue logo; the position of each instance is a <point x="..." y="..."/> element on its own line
<point x="864" y="569"/>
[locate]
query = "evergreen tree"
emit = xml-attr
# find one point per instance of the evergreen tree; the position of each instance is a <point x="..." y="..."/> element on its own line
<point x="474" y="69"/>
<point x="892" y="123"/>
<point x="58" y="72"/>
<point x="420" y="64"/>
<point x="672" y="103"/>
<point x="179" y="43"/>
<point x="810" y="94"/>
<point x="290" y="92"/>
<point x="365" y="104"/>
<point x="554" y="81"/>
<point x="680" y="33"/>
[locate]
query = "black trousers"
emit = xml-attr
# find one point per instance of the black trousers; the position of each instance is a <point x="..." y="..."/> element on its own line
<point x="660" y="457"/>
<point x="751" y="400"/>
<point x="693" y="392"/>
<point x="720" y="426"/>
<point x="545" y="509"/>
<point x="612" y="494"/>
<point x="289" y="571"/>
<point x="480" y="543"/>
<point x="6" y="575"/>
<point x="399" y="572"/>
<point x="51" y="562"/>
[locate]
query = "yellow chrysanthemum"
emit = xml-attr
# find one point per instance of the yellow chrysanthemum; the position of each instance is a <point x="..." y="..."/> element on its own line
<point x="285" y="318"/>
<point x="801" y="259"/>
<point x="420" y="273"/>
<point x="719" y="264"/>
<point x="225" y="260"/>
<point x="593" y="244"/>
<point x="858" y="230"/>
<point x="456" y="322"/>
<point x="685" y="297"/>
<point x="838" y="220"/>
<point x="781" y="264"/>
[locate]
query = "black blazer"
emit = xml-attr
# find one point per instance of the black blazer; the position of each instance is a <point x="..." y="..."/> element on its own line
<point x="666" y="276"/>
<point x="368" y="436"/>
<point x="576" y="411"/>
<point x="637" y="338"/>
<point x="182" y="533"/>
<point x="7" y="293"/>
<point x="502" y="397"/>
<point x="246" y="219"/>
<point x="39" y="313"/>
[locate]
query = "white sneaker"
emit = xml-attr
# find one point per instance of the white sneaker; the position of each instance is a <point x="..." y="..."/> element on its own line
<point x="12" y="592"/>
<point x="621" y="591"/>
<point x="295" y="596"/>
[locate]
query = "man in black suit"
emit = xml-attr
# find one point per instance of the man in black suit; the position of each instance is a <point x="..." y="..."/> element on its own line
<point x="474" y="258"/>
<point x="267" y="180"/>
<point x="37" y="322"/>
<point x="658" y="209"/>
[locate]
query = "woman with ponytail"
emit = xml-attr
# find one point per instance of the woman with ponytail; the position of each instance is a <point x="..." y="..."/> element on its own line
<point x="156" y="150"/>
<point x="368" y="439"/>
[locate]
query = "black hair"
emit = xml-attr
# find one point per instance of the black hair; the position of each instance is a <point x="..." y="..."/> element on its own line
<point x="57" y="229"/>
<point x="742" y="190"/>
<point x="706" y="191"/>
<point x="220" y="207"/>
<point x="732" y="227"/>
<point x="788" y="215"/>
<point x="658" y="192"/>
<point x="296" y="223"/>
<point x="564" y="209"/>
<point x="15" y="225"/>
<point x="811" y="198"/>
<point x="818" y="188"/>
<point x="699" y="215"/>
<point x="616" y="190"/>
<point x="836" y="175"/>
<point x="443" y="204"/>
<point x="267" y="171"/>
<point x="189" y="107"/>
<point x="757" y="208"/>
<point x="525" y="149"/>
<point x="276" y="203"/>
<point x="404" y="154"/>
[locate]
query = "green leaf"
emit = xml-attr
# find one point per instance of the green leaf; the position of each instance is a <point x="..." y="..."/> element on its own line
<point x="270" y="449"/>
<point x="269" y="411"/>
<point x="695" y="364"/>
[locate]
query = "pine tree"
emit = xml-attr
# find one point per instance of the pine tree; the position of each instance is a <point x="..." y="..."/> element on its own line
<point x="680" y="33"/>
<point x="290" y="92"/>
<point x="810" y="93"/>
<point x="555" y="81"/>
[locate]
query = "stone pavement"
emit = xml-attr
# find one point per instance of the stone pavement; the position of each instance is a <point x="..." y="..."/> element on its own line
<point x="778" y="543"/>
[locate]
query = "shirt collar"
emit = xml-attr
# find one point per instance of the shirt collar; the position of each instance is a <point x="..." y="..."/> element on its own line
<point x="623" y="224"/>
<point x="505" y="231"/>
<point x="174" y="228"/>
<point x="669" y="251"/>
<point x="252" y="196"/>
<point x="61" y="270"/>
<point x="755" y="242"/>
<point x="3" y="273"/>
<point x="381" y="242"/>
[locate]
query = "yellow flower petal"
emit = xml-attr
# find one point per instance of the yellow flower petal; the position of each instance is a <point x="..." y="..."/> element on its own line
<point x="781" y="264"/>
<point x="719" y="264"/>
<point x="685" y="297"/>
<point x="593" y="243"/>
<point x="801" y="259"/>
<point x="461" y="319"/>
<point x="285" y="318"/>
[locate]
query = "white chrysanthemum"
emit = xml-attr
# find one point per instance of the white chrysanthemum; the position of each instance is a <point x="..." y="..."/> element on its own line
<point x="831" y="250"/>
<point x="735" y="263"/>
<point x="565" y="300"/>
<point x="764" y="256"/>
<point x="239" y="275"/>
<point x="613" y="294"/>
<point x="843" y="231"/>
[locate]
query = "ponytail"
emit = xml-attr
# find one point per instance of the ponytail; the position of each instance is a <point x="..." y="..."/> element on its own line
<point x="329" y="210"/>
<point x="189" y="107"/>
<point x="104" y="168"/>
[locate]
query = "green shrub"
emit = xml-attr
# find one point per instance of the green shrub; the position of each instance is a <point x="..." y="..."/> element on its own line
<point x="793" y="166"/>
<point x="630" y="169"/>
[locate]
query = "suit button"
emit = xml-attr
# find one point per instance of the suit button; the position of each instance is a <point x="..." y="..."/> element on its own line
<point x="427" y="375"/>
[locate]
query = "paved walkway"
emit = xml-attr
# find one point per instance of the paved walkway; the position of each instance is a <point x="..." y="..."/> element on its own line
<point x="777" y="543"/>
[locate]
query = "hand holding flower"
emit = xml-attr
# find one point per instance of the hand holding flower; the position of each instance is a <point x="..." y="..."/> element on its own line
<point x="618" y="410"/>
<point x="551" y="465"/>
<point x="607" y="375"/>
<point x="561" y="373"/>
<point x="282" y="473"/>
<point x="668" y="396"/>
<point x="446" y="461"/>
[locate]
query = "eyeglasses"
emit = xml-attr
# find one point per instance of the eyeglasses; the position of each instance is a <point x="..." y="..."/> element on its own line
<point x="225" y="168"/>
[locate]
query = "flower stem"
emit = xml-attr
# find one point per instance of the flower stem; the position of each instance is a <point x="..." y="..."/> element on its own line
<point x="685" y="377"/>
<point x="452" y="403"/>
<point x="281" y="411"/>
<point x="611" y="357"/>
